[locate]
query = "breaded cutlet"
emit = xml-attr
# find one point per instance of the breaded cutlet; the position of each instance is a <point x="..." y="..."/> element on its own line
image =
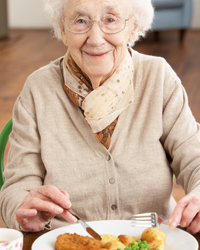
<point x="74" y="241"/>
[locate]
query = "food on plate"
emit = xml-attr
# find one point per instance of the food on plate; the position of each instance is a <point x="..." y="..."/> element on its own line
<point x="114" y="245"/>
<point x="139" y="245"/>
<point x="74" y="241"/>
<point x="156" y="244"/>
<point x="108" y="237"/>
<point x="151" y="239"/>
<point x="111" y="242"/>
<point x="127" y="240"/>
<point x="154" y="237"/>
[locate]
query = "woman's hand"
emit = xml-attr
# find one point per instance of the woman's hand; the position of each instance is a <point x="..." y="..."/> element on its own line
<point x="41" y="205"/>
<point x="187" y="214"/>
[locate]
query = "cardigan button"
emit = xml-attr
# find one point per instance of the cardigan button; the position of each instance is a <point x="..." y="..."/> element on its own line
<point x="112" y="180"/>
<point x="114" y="207"/>
<point x="108" y="157"/>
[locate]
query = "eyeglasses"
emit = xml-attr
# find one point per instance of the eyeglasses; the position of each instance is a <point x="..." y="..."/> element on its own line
<point x="109" y="24"/>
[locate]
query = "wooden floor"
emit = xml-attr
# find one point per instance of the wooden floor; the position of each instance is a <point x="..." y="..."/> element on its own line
<point x="26" y="50"/>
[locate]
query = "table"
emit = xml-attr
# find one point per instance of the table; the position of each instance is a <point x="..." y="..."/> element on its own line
<point x="29" y="238"/>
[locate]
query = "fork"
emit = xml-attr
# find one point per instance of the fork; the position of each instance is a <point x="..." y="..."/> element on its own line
<point x="147" y="220"/>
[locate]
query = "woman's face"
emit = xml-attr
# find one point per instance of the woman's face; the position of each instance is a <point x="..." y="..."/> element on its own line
<point x="98" y="54"/>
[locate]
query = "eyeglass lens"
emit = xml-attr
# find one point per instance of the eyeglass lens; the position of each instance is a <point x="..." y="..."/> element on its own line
<point x="108" y="24"/>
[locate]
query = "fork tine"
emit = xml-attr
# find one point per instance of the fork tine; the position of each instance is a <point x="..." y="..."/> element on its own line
<point x="144" y="220"/>
<point x="142" y="225"/>
<point x="144" y="215"/>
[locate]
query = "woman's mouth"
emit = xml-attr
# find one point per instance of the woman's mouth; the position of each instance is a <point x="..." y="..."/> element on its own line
<point x="97" y="55"/>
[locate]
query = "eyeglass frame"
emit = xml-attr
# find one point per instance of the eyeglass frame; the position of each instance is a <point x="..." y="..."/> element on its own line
<point x="99" y="24"/>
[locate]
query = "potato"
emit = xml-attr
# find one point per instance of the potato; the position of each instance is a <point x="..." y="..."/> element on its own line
<point x="154" y="244"/>
<point x="111" y="242"/>
<point x="153" y="233"/>
<point x="127" y="240"/>
<point x="113" y="245"/>
<point x="154" y="237"/>
<point x="108" y="237"/>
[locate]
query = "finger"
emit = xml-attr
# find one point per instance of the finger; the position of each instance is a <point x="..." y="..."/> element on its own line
<point x="190" y="211"/>
<point x="65" y="193"/>
<point x="55" y="195"/>
<point x="68" y="216"/>
<point x="31" y="220"/>
<point x="176" y="216"/>
<point x="23" y="216"/>
<point x="43" y="205"/>
<point x="194" y="227"/>
<point x="25" y="213"/>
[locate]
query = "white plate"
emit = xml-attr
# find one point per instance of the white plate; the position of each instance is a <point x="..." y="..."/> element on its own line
<point x="176" y="239"/>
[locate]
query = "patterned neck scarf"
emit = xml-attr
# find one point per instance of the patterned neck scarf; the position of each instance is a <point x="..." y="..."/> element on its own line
<point x="103" y="105"/>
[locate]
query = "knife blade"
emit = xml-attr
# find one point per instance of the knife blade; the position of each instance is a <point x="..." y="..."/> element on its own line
<point x="88" y="229"/>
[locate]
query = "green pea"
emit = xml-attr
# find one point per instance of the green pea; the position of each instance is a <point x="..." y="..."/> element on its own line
<point x="138" y="245"/>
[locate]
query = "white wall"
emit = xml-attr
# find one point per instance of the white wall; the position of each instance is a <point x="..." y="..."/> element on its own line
<point x="196" y="15"/>
<point x="29" y="14"/>
<point x="26" y="14"/>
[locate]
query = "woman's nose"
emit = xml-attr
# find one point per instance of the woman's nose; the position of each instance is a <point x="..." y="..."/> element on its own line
<point x="95" y="35"/>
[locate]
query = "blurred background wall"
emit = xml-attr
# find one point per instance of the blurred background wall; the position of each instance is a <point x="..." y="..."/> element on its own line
<point x="29" y="14"/>
<point x="196" y="16"/>
<point x="26" y="14"/>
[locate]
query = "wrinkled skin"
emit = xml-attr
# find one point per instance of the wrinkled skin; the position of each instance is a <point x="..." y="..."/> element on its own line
<point x="187" y="214"/>
<point x="40" y="206"/>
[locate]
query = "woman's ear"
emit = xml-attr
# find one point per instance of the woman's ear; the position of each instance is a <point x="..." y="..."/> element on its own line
<point x="134" y="35"/>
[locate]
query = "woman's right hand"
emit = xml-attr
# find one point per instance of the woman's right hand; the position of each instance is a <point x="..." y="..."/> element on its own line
<point x="41" y="205"/>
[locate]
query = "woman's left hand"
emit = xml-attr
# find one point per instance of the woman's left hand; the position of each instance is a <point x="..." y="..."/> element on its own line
<point x="187" y="214"/>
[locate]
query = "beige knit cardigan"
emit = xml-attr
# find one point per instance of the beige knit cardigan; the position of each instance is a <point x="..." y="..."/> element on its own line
<point x="51" y="143"/>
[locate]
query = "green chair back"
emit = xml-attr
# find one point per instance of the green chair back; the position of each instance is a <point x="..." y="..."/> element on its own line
<point x="4" y="135"/>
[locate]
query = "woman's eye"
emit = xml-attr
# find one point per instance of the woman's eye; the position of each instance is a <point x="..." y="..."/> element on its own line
<point x="80" y="21"/>
<point x="110" y="20"/>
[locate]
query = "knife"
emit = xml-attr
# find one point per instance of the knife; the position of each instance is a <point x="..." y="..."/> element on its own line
<point x="85" y="225"/>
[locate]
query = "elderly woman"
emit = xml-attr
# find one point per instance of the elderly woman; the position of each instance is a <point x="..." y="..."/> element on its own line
<point x="103" y="128"/>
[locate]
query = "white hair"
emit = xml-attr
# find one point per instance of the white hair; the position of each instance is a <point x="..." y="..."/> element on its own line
<point x="53" y="10"/>
<point x="142" y="11"/>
